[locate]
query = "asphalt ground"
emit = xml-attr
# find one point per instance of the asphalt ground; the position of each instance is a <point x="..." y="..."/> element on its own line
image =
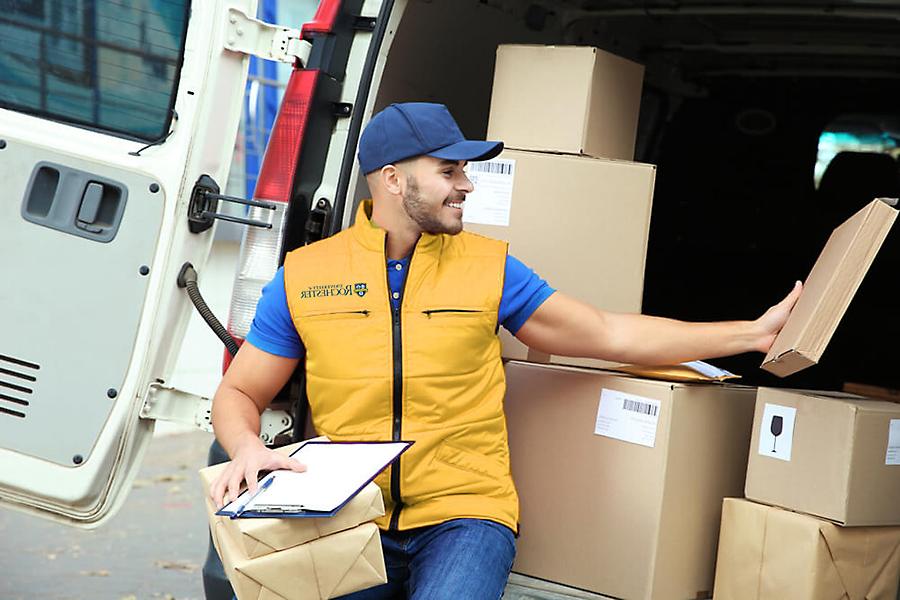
<point x="152" y="549"/>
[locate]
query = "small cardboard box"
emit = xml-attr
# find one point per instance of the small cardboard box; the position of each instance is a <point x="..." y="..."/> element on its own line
<point x="300" y="558"/>
<point x="835" y="456"/>
<point x="581" y="223"/>
<point x="328" y="567"/>
<point x="766" y="553"/>
<point x="571" y="99"/>
<point x="828" y="290"/>
<point x="621" y="479"/>
<point x="258" y="537"/>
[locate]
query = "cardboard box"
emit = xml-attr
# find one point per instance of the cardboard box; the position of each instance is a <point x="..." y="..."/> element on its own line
<point x="631" y="519"/>
<point x="328" y="567"/>
<point x="572" y="99"/>
<point x="836" y="456"/>
<point x="300" y="558"/>
<point x="767" y="553"/>
<point x="258" y="537"/>
<point x="828" y="290"/>
<point x="581" y="223"/>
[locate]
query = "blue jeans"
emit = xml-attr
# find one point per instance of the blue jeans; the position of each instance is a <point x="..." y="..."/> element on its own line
<point x="462" y="558"/>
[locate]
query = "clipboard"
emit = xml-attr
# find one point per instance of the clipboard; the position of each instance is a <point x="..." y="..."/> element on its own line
<point x="336" y="472"/>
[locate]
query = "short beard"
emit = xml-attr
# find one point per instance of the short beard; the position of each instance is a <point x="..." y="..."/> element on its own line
<point x="419" y="211"/>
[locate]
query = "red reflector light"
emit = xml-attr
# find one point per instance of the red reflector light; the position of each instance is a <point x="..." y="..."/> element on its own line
<point x="280" y="161"/>
<point x="323" y="22"/>
<point x="227" y="357"/>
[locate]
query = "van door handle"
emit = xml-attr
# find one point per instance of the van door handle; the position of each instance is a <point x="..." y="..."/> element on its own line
<point x="89" y="211"/>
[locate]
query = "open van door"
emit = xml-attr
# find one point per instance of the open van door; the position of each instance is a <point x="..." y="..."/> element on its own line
<point x="115" y="121"/>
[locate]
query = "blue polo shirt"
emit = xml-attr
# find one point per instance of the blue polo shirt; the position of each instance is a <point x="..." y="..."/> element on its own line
<point x="273" y="330"/>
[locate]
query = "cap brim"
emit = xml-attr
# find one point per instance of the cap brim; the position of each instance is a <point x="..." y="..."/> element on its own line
<point x="469" y="150"/>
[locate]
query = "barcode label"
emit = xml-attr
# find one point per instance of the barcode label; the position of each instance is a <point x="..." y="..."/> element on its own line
<point x="489" y="166"/>
<point x="490" y="202"/>
<point x="627" y="417"/>
<point x="640" y="407"/>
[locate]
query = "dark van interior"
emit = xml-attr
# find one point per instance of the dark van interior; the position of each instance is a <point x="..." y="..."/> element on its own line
<point x="737" y="97"/>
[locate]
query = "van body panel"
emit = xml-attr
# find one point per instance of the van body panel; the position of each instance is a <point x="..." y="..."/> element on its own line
<point x="93" y="234"/>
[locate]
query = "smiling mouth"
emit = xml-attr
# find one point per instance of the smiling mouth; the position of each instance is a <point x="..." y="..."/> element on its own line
<point x="457" y="205"/>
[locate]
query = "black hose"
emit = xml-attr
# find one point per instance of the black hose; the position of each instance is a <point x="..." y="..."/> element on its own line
<point x="187" y="279"/>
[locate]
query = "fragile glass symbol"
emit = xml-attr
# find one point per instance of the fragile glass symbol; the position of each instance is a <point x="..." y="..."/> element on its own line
<point x="776" y="428"/>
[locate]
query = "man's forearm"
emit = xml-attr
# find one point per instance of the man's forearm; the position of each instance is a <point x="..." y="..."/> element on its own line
<point x="235" y="419"/>
<point x="642" y="339"/>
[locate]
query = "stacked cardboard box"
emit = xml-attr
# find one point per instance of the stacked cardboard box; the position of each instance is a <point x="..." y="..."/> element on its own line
<point x="300" y="558"/>
<point x="569" y="211"/>
<point x="823" y="476"/>
<point x="621" y="479"/>
<point x="836" y="458"/>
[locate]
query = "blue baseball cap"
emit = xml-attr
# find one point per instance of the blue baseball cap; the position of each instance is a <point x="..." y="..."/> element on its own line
<point x="403" y="131"/>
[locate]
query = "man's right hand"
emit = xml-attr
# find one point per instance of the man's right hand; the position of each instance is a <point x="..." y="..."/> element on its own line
<point x="250" y="458"/>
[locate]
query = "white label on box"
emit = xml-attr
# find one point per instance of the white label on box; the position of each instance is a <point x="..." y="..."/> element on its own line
<point x="893" y="449"/>
<point x="491" y="201"/>
<point x="627" y="417"/>
<point x="776" y="432"/>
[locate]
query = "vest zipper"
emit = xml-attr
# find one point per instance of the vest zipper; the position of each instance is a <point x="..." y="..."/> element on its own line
<point x="435" y="311"/>
<point x="334" y="313"/>
<point x="397" y="400"/>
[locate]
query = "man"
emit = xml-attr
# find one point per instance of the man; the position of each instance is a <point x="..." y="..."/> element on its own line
<point x="412" y="354"/>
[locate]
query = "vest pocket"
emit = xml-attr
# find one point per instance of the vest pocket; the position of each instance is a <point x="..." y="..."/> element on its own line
<point x="451" y="312"/>
<point x="335" y="314"/>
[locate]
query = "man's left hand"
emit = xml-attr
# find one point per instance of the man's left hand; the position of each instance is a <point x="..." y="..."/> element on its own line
<point x="774" y="319"/>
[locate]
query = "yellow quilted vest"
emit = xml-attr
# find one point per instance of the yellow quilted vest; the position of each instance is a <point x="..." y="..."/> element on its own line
<point x="429" y="373"/>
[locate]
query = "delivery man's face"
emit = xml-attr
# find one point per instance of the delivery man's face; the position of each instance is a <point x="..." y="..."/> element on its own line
<point x="435" y="193"/>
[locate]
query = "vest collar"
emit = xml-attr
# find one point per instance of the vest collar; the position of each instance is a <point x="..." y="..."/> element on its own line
<point x="373" y="237"/>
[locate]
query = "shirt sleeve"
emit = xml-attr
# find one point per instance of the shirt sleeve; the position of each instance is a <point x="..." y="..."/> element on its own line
<point x="272" y="329"/>
<point x="523" y="292"/>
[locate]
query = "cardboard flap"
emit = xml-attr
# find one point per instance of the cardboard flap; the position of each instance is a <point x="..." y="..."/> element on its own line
<point x="829" y="288"/>
<point x="861" y="557"/>
<point x="337" y="576"/>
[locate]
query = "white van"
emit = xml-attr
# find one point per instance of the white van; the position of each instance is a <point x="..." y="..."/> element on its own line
<point x="116" y="133"/>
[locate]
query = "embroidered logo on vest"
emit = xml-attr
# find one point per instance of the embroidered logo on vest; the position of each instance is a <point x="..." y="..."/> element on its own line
<point x="334" y="289"/>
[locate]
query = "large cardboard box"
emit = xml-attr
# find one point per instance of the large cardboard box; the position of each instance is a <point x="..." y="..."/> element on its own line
<point x="572" y="99"/>
<point x="300" y="558"/>
<point x="767" y="553"/>
<point x="621" y="479"/>
<point x="835" y="456"/>
<point x="581" y="223"/>
<point x="828" y="290"/>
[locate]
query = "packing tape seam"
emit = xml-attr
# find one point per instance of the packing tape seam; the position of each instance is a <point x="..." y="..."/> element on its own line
<point x="762" y="557"/>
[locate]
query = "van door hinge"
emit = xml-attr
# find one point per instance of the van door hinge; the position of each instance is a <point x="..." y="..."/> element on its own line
<point x="270" y="42"/>
<point x="318" y="222"/>
<point x="171" y="404"/>
<point x="205" y="201"/>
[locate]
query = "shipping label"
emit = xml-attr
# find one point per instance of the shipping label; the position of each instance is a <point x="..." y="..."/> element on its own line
<point x="491" y="201"/>
<point x="893" y="447"/>
<point x="776" y="431"/>
<point x="627" y="417"/>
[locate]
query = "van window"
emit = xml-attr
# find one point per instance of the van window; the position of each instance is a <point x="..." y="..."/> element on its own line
<point x="106" y="65"/>
<point x="856" y="134"/>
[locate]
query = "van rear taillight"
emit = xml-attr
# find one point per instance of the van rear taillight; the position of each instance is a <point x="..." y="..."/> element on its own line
<point x="323" y="21"/>
<point x="261" y="248"/>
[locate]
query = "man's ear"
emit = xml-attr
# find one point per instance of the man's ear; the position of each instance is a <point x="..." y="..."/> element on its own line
<point x="391" y="178"/>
